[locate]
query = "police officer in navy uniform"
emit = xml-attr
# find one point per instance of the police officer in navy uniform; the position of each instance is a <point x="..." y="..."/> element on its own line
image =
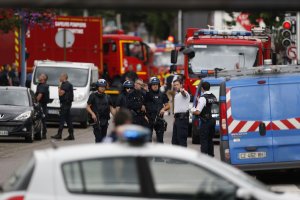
<point x="157" y="103"/>
<point x="66" y="96"/>
<point x="208" y="123"/>
<point x="134" y="101"/>
<point x="99" y="107"/>
<point x="42" y="97"/>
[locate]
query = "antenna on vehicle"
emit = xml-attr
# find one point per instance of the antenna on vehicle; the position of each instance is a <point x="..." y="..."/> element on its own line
<point x="53" y="144"/>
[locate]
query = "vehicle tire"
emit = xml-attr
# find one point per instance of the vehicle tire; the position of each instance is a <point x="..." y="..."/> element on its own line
<point x="195" y="136"/>
<point x="84" y="124"/>
<point x="39" y="135"/>
<point x="29" y="138"/>
<point x="190" y="130"/>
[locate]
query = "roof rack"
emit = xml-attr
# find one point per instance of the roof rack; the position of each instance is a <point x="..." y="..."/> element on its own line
<point x="262" y="70"/>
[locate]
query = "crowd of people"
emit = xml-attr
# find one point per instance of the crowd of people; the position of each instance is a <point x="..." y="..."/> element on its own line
<point x="139" y="103"/>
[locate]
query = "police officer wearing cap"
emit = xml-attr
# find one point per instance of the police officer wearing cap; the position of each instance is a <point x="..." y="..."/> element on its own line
<point x="157" y="103"/>
<point x="134" y="101"/>
<point x="99" y="107"/>
<point x="181" y="114"/>
<point x="208" y="123"/>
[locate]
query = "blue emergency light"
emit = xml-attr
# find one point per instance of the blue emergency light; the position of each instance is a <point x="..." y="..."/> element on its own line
<point x="222" y="33"/>
<point x="135" y="135"/>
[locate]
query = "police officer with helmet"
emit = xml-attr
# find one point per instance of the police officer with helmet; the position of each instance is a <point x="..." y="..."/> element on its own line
<point x="99" y="107"/>
<point x="208" y="123"/>
<point x="134" y="101"/>
<point x="157" y="103"/>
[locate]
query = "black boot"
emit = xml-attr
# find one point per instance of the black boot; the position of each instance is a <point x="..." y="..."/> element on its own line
<point x="70" y="137"/>
<point x="57" y="136"/>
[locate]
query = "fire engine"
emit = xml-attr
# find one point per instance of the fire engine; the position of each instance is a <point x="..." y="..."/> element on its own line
<point x="208" y="50"/>
<point x="160" y="65"/>
<point x="113" y="54"/>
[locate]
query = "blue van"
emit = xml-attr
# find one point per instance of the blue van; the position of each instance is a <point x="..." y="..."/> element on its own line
<point x="260" y="118"/>
<point x="215" y="89"/>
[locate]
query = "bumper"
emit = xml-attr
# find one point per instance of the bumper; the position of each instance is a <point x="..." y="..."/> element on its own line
<point x="269" y="166"/>
<point x="79" y="115"/>
<point x="15" y="129"/>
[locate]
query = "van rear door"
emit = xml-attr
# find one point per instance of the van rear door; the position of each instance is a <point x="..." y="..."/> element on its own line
<point x="285" y="115"/>
<point x="248" y="108"/>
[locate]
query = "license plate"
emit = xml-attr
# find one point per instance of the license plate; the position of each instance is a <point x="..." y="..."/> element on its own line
<point x="53" y="112"/>
<point x="3" y="133"/>
<point x="250" y="155"/>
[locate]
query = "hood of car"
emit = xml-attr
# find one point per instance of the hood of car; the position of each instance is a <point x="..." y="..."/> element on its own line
<point x="11" y="112"/>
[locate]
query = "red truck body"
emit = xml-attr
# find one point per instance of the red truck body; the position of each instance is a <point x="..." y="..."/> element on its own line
<point x="204" y="41"/>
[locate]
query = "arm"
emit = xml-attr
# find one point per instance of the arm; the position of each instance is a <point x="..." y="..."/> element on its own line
<point x="89" y="110"/>
<point x="39" y="97"/>
<point x="183" y="92"/>
<point x="200" y="106"/>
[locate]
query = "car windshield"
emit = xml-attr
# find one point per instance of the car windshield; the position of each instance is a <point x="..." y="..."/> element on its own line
<point x="164" y="59"/>
<point x="14" y="97"/>
<point x="78" y="77"/>
<point x="209" y="57"/>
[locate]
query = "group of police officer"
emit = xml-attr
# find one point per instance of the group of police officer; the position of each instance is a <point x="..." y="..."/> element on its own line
<point x="147" y="109"/>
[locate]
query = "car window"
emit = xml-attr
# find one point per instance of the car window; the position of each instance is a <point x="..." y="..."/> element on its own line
<point x="250" y="103"/>
<point x="14" y="98"/>
<point x="109" y="176"/>
<point x="184" y="180"/>
<point x="20" y="179"/>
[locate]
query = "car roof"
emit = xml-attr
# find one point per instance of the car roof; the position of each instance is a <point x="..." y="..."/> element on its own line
<point x="213" y="80"/>
<point x="92" y="151"/>
<point x="13" y="88"/>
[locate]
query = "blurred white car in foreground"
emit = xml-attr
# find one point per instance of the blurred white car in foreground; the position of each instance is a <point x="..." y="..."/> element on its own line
<point x="131" y="170"/>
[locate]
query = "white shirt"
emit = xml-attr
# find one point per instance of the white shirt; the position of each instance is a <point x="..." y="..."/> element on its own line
<point x="201" y="102"/>
<point x="181" y="103"/>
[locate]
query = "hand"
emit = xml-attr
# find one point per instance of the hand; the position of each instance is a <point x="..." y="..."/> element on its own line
<point x="162" y="112"/>
<point x="193" y="109"/>
<point x="94" y="117"/>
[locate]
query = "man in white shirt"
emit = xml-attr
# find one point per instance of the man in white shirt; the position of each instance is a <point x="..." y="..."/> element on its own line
<point x="208" y="123"/>
<point x="181" y="114"/>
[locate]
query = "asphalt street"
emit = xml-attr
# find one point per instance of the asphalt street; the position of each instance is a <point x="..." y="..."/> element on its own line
<point x="13" y="152"/>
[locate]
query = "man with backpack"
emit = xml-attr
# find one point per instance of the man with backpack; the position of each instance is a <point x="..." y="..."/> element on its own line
<point x="66" y="96"/>
<point x="99" y="107"/>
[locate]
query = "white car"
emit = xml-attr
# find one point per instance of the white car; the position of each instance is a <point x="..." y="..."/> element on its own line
<point x="131" y="171"/>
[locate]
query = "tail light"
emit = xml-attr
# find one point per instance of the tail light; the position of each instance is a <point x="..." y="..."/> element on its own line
<point x="223" y="120"/>
<point x="19" y="197"/>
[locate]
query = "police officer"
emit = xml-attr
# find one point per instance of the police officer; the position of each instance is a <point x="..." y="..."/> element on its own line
<point x="181" y="114"/>
<point x="42" y="97"/>
<point x="203" y="111"/>
<point x="133" y="100"/>
<point x="99" y="107"/>
<point x="66" y="96"/>
<point x="157" y="103"/>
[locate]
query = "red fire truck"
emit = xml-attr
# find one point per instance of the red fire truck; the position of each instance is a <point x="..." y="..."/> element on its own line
<point x="208" y="49"/>
<point x="113" y="54"/>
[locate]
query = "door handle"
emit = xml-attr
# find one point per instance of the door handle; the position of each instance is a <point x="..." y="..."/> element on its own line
<point x="262" y="129"/>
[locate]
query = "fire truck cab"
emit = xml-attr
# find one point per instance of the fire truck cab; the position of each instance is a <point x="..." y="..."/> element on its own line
<point x="207" y="50"/>
<point x="122" y="53"/>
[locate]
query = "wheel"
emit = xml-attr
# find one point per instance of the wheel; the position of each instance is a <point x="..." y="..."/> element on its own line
<point x="30" y="137"/>
<point x="39" y="135"/>
<point x="195" y="135"/>
<point x="84" y="124"/>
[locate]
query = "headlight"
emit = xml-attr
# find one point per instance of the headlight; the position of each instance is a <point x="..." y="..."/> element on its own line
<point x="23" y="116"/>
<point x="79" y="97"/>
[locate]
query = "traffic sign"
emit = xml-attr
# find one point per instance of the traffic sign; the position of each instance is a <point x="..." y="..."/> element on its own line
<point x="291" y="52"/>
<point x="64" y="38"/>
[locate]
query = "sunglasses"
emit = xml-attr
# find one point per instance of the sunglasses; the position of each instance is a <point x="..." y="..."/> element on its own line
<point x="128" y="88"/>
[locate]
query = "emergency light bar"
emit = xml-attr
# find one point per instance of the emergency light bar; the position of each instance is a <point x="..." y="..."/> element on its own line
<point x="222" y="32"/>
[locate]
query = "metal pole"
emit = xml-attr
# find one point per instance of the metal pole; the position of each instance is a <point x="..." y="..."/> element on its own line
<point x="65" y="47"/>
<point x="298" y="37"/>
<point x="23" y="54"/>
<point x="180" y="26"/>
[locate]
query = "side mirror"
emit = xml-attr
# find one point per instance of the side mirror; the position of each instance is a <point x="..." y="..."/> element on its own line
<point x="174" y="56"/>
<point x="244" y="194"/>
<point x="190" y="52"/>
<point x="93" y="87"/>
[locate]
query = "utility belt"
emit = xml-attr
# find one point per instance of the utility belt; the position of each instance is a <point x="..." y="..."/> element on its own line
<point x="137" y="113"/>
<point x="204" y="118"/>
<point x="181" y="115"/>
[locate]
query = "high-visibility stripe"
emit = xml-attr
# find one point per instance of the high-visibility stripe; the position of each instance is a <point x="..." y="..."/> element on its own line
<point x="141" y="73"/>
<point x="112" y="92"/>
<point x="17" y="49"/>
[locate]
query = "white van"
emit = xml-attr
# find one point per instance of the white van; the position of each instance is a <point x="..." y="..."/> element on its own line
<point x="81" y="75"/>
